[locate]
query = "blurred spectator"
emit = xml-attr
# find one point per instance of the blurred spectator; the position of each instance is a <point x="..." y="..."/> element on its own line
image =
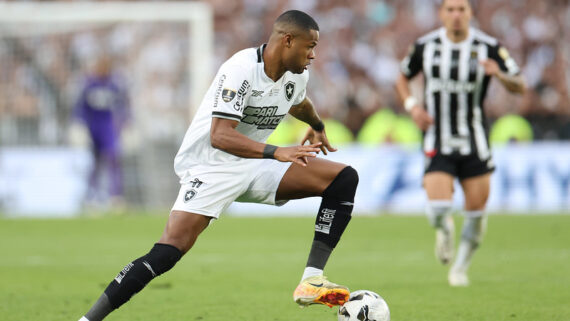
<point x="103" y="106"/>
<point x="352" y="77"/>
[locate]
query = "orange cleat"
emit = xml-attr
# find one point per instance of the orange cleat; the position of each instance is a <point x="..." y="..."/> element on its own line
<point x="319" y="290"/>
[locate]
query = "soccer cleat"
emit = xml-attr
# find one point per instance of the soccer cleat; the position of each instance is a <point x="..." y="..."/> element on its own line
<point x="445" y="242"/>
<point x="319" y="290"/>
<point x="457" y="278"/>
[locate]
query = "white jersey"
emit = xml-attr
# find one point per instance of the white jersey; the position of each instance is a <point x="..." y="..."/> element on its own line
<point x="240" y="91"/>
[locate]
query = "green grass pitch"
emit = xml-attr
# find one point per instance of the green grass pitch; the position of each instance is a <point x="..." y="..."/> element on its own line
<point x="246" y="269"/>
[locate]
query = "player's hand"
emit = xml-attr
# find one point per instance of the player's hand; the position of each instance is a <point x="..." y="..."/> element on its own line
<point x="422" y="119"/>
<point x="491" y="67"/>
<point x="297" y="154"/>
<point x="313" y="137"/>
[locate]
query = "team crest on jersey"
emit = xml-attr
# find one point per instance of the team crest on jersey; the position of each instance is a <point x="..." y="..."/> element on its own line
<point x="228" y="94"/>
<point x="289" y="90"/>
<point x="189" y="195"/>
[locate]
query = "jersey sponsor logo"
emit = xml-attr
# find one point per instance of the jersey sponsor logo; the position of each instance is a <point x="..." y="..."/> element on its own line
<point x="264" y="117"/>
<point x="449" y="85"/>
<point x="245" y="86"/>
<point x="228" y="94"/>
<point x="219" y="90"/>
<point x="289" y="90"/>
<point x="256" y="93"/>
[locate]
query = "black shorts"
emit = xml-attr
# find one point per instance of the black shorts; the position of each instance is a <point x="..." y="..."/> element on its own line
<point x="460" y="166"/>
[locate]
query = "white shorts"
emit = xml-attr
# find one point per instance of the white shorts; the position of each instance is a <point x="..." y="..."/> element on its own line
<point x="210" y="190"/>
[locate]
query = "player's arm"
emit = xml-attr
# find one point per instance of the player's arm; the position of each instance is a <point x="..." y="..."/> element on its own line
<point x="224" y="136"/>
<point x="422" y="119"/>
<point x="501" y="65"/>
<point x="410" y="66"/>
<point x="513" y="83"/>
<point x="306" y="112"/>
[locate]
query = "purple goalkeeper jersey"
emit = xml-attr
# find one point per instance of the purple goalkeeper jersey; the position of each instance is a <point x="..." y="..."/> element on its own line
<point x="103" y="107"/>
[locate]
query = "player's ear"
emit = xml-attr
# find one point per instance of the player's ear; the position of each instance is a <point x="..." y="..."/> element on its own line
<point x="288" y="40"/>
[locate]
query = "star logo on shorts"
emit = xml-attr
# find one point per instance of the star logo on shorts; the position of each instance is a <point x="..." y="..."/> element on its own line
<point x="189" y="195"/>
<point x="289" y="90"/>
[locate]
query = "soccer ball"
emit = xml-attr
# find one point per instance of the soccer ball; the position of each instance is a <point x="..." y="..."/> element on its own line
<point x="364" y="305"/>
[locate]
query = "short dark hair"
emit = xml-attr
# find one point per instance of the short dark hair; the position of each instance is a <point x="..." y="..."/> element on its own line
<point x="471" y="3"/>
<point x="298" y="19"/>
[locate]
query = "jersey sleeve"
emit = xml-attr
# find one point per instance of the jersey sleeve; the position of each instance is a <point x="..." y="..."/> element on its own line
<point x="232" y="91"/>
<point x="303" y="90"/>
<point x="412" y="64"/>
<point x="501" y="55"/>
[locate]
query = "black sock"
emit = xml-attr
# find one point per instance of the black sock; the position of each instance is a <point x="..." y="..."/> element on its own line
<point x="100" y="309"/>
<point x="333" y="217"/>
<point x="133" y="278"/>
<point x="319" y="255"/>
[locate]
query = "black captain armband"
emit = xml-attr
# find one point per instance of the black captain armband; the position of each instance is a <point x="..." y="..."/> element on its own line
<point x="269" y="151"/>
<point x="318" y="127"/>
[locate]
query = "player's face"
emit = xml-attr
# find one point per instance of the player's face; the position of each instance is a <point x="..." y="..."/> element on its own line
<point x="455" y="15"/>
<point x="302" y="50"/>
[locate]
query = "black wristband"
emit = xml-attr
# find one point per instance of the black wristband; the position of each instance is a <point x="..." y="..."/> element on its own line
<point x="318" y="127"/>
<point x="269" y="151"/>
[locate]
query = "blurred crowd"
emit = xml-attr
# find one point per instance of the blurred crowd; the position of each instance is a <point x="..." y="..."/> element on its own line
<point x="363" y="41"/>
<point x="358" y="55"/>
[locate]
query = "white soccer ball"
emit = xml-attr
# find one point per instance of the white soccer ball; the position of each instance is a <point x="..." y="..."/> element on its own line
<point x="364" y="305"/>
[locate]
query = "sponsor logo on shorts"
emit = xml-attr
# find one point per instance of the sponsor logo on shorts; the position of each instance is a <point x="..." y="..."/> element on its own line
<point x="196" y="183"/>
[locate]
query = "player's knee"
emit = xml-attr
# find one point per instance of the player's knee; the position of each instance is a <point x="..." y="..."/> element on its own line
<point x="162" y="257"/>
<point x="343" y="187"/>
<point x="437" y="210"/>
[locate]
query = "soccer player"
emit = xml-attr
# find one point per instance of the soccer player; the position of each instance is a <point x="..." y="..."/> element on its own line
<point x="457" y="62"/>
<point x="223" y="158"/>
<point x="103" y="106"/>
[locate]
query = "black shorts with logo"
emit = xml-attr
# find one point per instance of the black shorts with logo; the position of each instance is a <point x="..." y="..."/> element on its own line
<point x="460" y="166"/>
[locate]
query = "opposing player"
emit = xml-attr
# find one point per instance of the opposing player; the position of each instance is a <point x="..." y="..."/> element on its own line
<point x="457" y="61"/>
<point x="223" y="158"/>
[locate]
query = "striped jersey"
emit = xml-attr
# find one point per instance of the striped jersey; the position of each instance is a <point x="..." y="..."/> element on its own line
<point x="455" y="87"/>
<point x="240" y="91"/>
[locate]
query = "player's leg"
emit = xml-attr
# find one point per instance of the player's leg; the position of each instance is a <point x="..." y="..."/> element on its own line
<point x="336" y="183"/>
<point x="180" y="233"/>
<point x="476" y="191"/>
<point x="439" y="189"/>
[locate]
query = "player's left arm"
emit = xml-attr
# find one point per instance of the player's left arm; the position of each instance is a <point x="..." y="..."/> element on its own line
<point x="501" y="65"/>
<point x="306" y="112"/>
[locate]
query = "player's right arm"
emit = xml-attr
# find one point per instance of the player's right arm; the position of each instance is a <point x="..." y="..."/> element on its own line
<point x="224" y="136"/>
<point x="410" y="66"/>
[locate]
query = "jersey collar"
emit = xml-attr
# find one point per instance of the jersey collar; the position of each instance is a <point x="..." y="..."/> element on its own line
<point x="260" y="50"/>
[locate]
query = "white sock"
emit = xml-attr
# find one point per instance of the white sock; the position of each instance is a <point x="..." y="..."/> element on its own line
<point x="83" y="319"/>
<point x="311" y="271"/>
<point x="463" y="258"/>
<point x="437" y="211"/>
<point x="474" y="227"/>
